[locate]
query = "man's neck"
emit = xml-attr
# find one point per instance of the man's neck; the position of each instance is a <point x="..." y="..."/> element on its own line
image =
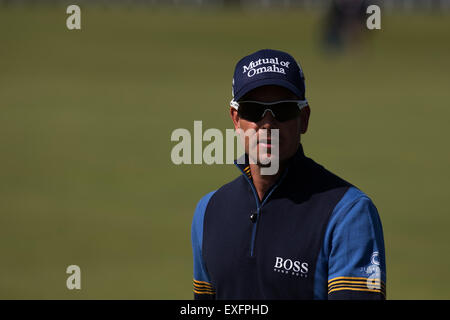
<point x="263" y="183"/>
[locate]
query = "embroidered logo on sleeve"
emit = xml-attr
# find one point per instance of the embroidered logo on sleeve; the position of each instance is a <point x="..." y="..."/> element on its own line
<point x="373" y="272"/>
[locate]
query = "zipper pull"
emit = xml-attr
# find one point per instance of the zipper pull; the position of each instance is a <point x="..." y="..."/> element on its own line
<point x="254" y="217"/>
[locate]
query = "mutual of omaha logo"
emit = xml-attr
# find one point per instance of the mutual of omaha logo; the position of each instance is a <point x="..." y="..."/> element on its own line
<point x="266" y="65"/>
<point x="291" y="267"/>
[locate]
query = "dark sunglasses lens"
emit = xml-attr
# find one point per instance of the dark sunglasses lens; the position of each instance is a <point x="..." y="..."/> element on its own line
<point x="251" y="111"/>
<point x="286" y="111"/>
<point x="283" y="111"/>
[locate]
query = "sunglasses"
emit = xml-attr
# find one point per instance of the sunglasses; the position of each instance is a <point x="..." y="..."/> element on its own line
<point x="281" y="110"/>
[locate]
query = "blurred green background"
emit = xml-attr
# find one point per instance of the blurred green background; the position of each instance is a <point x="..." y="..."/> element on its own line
<point x="86" y="118"/>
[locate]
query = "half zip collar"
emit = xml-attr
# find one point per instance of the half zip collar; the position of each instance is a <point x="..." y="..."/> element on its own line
<point x="243" y="165"/>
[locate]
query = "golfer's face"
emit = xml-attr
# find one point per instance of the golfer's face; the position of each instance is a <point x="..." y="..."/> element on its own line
<point x="289" y="131"/>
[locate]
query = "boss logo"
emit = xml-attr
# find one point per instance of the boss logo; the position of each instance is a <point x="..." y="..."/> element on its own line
<point x="292" y="267"/>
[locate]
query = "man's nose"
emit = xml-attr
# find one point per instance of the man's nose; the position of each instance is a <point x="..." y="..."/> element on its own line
<point x="268" y="120"/>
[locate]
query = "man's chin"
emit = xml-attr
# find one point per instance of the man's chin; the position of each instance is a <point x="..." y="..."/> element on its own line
<point x="266" y="160"/>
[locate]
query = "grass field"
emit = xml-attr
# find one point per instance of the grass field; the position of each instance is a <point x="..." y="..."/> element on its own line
<point x="86" y="118"/>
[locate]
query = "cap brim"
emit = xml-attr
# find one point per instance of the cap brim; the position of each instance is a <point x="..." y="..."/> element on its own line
<point x="266" y="82"/>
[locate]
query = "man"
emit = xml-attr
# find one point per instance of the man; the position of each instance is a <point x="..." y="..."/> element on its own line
<point x="301" y="233"/>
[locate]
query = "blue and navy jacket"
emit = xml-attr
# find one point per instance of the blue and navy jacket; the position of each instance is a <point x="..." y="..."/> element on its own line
<point x="313" y="236"/>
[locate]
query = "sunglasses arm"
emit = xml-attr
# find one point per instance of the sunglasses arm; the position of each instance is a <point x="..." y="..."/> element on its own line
<point x="234" y="104"/>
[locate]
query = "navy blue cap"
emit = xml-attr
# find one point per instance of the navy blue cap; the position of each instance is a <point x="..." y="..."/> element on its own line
<point x="268" y="67"/>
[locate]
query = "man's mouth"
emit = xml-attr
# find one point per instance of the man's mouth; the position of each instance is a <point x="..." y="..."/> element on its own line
<point x="265" y="143"/>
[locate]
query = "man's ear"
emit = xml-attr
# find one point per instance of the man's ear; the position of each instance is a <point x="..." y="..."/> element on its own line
<point x="235" y="117"/>
<point x="304" y="119"/>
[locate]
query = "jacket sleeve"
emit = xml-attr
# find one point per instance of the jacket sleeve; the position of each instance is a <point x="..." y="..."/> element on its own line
<point x="356" y="255"/>
<point x="203" y="288"/>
